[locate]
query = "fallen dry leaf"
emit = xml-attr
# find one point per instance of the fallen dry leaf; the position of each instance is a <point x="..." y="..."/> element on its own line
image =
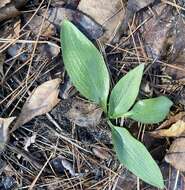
<point x="41" y="101"/>
<point x="176" y="130"/>
<point x="4" y="124"/>
<point x="176" y="154"/>
<point x="172" y="119"/>
<point x="84" y="114"/>
<point x="107" y="13"/>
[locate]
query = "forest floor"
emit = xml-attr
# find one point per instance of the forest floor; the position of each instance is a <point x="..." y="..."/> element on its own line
<point x="58" y="139"/>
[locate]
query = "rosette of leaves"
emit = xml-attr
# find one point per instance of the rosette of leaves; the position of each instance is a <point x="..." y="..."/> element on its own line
<point x="87" y="70"/>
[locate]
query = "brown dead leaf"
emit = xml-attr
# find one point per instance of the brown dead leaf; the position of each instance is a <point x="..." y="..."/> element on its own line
<point x="41" y="101"/>
<point x="175" y="130"/>
<point x="107" y="13"/>
<point x="172" y="119"/>
<point x="84" y="114"/>
<point x="176" y="154"/>
<point x="4" y="124"/>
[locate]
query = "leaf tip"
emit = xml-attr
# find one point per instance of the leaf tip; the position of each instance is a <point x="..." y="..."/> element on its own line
<point x="65" y="22"/>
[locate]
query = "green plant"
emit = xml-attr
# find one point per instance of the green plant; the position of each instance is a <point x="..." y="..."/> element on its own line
<point x="88" y="72"/>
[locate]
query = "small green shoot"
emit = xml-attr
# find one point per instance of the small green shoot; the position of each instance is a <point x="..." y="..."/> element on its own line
<point x="88" y="72"/>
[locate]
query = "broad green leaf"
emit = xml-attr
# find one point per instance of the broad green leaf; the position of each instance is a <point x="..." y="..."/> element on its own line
<point x="125" y="92"/>
<point x="135" y="157"/>
<point x="84" y="64"/>
<point x="152" y="110"/>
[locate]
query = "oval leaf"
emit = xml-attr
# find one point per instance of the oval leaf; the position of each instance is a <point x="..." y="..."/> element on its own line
<point x="135" y="157"/>
<point x="152" y="110"/>
<point x="125" y="92"/>
<point x="84" y="64"/>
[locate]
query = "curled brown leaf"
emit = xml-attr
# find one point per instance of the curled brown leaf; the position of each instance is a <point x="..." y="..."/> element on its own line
<point x="176" y="130"/>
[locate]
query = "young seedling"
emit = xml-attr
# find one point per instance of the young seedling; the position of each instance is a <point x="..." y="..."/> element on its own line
<point x="88" y="72"/>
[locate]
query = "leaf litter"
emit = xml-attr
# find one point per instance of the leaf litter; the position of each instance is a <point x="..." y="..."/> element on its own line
<point x="66" y="129"/>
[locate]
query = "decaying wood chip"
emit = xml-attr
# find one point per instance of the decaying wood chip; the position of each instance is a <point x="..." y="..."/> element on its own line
<point x="4" y="125"/>
<point x="176" y="130"/>
<point x="84" y="114"/>
<point x="176" y="154"/>
<point x="101" y="153"/>
<point x="41" y="101"/>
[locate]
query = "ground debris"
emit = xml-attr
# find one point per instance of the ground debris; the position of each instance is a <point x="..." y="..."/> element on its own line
<point x="108" y="13"/>
<point x="176" y="154"/>
<point x="176" y="130"/>
<point x="172" y="119"/>
<point x="4" y="131"/>
<point x="126" y="181"/>
<point x="101" y="153"/>
<point x="60" y="165"/>
<point x="75" y="131"/>
<point x="87" y="134"/>
<point x="157" y="29"/>
<point x="10" y="9"/>
<point x="84" y="114"/>
<point x="56" y="15"/>
<point x="41" y="101"/>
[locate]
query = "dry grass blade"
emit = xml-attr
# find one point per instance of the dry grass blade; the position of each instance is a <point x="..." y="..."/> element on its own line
<point x="41" y="101"/>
